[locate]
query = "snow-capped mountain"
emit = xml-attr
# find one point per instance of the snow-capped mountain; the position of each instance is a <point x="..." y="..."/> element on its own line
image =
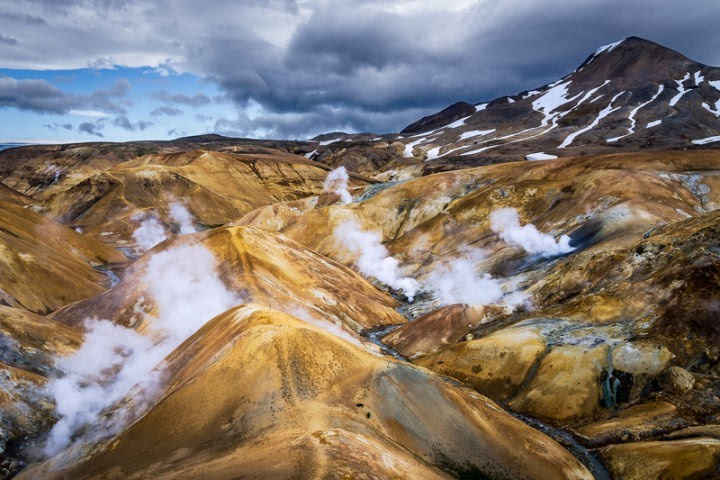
<point x="630" y="94"/>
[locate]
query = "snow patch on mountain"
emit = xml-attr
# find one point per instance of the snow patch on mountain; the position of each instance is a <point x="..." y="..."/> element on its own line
<point x="603" y="113"/>
<point x="408" y="152"/>
<point x="654" y="123"/>
<point x="604" y="49"/>
<point x="475" y="133"/>
<point x="634" y="111"/>
<point x="608" y="48"/>
<point x="681" y="89"/>
<point x="705" y="141"/>
<point x="551" y="100"/>
<point x="432" y="154"/>
<point x="715" y="110"/>
<point x="540" y="156"/>
<point x="457" y="123"/>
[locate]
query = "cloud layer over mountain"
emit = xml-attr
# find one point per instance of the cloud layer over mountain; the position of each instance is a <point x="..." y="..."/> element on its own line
<point x="298" y="68"/>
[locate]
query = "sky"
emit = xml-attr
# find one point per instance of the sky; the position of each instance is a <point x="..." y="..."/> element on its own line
<point x="119" y="70"/>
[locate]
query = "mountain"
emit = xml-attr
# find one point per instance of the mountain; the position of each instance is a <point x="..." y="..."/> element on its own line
<point x="630" y="95"/>
<point x="627" y="95"/>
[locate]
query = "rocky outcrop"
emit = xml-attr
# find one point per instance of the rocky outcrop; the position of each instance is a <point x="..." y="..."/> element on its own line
<point x="29" y="346"/>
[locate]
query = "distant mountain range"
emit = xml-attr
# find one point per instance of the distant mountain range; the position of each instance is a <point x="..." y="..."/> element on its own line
<point x="4" y="146"/>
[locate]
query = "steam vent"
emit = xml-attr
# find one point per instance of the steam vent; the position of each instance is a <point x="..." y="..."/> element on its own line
<point x="523" y="285"/>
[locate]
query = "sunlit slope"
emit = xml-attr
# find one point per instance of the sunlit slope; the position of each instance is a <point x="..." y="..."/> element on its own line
<point x="258" y="393"/>
<point x="260" y="267"/>
<point x="45" y="265"/>
<point x="215" y="187"/>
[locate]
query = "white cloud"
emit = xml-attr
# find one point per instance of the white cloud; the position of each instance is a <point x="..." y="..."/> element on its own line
<point x="89" y="113"/>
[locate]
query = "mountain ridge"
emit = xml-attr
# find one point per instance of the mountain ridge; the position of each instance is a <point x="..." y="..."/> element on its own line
<point x="625" y="96"/>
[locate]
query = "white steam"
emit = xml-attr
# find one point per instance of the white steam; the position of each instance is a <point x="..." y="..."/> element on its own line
<point x="337" y="182"/>
<point x="506" y="223"/>
<point x="111" y="360"/>
<point x="373" y="259"/>
<point x="459" y="281"/>
<point x="149" y="233"/>
<point x="182" y="217"/>
<point x="187" y="292"/>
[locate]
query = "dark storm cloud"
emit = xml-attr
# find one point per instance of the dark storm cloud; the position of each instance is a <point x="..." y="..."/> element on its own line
<point x="197" y="100"/>
<point x="22" y="18"/>
<point x="169" y="111"/>
<point x="56" y="126"/>
<point x="40" y="96"/>
<point x="7" y="40"/>
<point x="124" y="122"/>
<point x="321" y="119"/>
<point x="91" y="128"/>
<point x="357" y="66"/>
<point x="348" y="65"/>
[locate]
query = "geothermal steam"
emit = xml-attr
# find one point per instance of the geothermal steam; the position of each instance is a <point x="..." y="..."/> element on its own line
<point x="373" y="259"/>
<point x="187" y="292"/>
<point x="459" y="281"/>
<point x="337" y="182"/>
<point x="182" y="217"/>
<point x="506" y="223"/>
<point x="151" y="231"/>
<point x="454" y="281"/>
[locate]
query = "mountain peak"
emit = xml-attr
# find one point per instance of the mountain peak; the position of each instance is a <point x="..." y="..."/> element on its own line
<point x="635" y="56"/>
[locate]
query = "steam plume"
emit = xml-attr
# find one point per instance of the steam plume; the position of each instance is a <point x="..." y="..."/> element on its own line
<point x="337" y="182"/>
<point x="182" y="217"/>
<point x="373" y="258"/>
<point x="506" y="223"/>
<point x="187" y="292"/>
<point x="459" y="281"/>
<point x="149" y="233"/>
